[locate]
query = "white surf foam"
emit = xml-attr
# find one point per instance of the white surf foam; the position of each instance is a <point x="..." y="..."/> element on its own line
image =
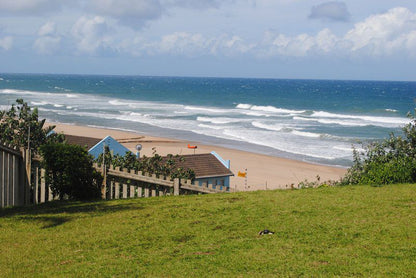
<point x="205" y="109"/>
<point x="288" y="144"/>
<point x="243" y="106"/>
<point x="268" y="109"/>
<point x="218" y="120"/>
<point x="274" y="127"/>
<point x="306" y="134"/>
<point x="38" y="103"/>
<point x="332" y="121"/>
<point x="211" y="126"/>
<point x="390" y="120"/>
<point x="117" y="102"/>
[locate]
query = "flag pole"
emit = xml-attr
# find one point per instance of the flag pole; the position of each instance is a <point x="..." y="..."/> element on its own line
<point x="246" y="179"/>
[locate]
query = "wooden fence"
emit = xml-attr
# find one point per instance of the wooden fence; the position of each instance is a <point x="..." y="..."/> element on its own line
<point x="14" y="181"/>
<point x="22" y="182"/>
<point x="124" y="183"/>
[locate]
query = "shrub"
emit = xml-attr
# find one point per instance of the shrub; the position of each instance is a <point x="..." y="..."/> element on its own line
<point x="392" y="160"/>
<point x="69" y="171"/>
<point x="21" y="123"/>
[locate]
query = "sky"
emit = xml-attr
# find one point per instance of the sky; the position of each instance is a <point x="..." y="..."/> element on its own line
<point x="302" y="39"/>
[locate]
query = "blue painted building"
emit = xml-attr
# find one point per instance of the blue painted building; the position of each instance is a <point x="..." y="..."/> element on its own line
<point x="114" y="146"/>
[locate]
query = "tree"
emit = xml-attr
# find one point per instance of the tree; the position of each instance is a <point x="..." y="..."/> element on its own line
<point x="392" y="160"/>
<point x="20" y="126"/>
<point x="69" y="171"/>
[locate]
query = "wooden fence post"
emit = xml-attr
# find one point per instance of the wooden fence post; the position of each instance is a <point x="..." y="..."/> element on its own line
<point x="111" y="189"/>
<point x="28" y="164"/>
<point x="42" y="185"/>
<point x="117" y="190"/>
<point x="2" y="173"/>
<point x="6" y="181"/>
<point x="124" y="191"/>
<point x="146" y="191"/>
<point x="104" y="184"/>
<point x="50" y="195"/>
<point x="139" y="191"/>
<point x="131" y="191"/>
<point x="36" y="188"/>
<point x="176" y="187"/>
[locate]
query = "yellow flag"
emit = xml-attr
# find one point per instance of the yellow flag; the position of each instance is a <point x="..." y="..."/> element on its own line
<point x="242" y="174"/>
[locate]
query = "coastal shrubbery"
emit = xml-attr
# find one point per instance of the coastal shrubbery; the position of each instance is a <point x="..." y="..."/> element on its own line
<point x="20" y="126"/>
<point x="390" y="161"/>
<point x="69" y="171"/>
<point x="68" y="168"/>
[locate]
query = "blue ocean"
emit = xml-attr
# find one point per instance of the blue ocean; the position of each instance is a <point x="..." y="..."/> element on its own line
<point x="311" y="120"/>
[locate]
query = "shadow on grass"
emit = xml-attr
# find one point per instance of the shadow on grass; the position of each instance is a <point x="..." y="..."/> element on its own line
<point x="55" y="213"/>
<point x="47" y="221"/>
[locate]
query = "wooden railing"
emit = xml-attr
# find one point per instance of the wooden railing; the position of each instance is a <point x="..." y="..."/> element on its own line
<point x="124" y="183"/>
<point x="14" y="181"/>
<point x="22" y="181"/>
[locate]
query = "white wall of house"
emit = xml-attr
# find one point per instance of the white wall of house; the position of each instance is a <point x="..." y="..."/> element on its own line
<point x="220" y="181"/>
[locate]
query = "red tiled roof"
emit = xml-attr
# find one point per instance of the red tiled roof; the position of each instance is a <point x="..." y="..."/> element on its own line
<point x="82" y="141"/>
<point x="204" y="165"/>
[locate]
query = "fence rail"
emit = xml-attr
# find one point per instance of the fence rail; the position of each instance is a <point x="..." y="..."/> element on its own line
<point x="146" y="185"/>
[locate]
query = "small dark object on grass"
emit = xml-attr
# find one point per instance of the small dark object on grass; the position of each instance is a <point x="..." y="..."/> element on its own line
<point x="265" y="232"/>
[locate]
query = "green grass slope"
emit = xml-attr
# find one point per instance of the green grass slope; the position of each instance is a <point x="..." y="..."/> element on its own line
<point x="345" y="231"/>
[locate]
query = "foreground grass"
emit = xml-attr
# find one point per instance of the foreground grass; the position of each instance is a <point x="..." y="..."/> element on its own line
<point x="349" y="231"/>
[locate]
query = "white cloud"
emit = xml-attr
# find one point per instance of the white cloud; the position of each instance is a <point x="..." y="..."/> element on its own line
<point x="6" y="43"/>
<point x="384" y="33"/>
<point x="129" y="12"/>
<point x="29" y="6"/>
<point x="136" y="13"/>
<point x="326" y="41"/>
<point x="393" y="32"/>
<point x="183" y="43"/>
<point x="47" y="44"/>
<point x="390" y="33"/>
<point x="333" y="10"/>
<point x="91" y="34"/>
<point x="47" y="29"/>
<point x="191" y="44"/>
<point x="107" y="28"/>
<point x="299" y="46"/>
<point x="195" y="4"/>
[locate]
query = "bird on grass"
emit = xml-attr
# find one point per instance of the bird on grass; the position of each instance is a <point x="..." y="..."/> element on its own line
<point x="265" y="232"/>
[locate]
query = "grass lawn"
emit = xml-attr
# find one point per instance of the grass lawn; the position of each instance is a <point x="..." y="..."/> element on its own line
<point x="346" y="231"/>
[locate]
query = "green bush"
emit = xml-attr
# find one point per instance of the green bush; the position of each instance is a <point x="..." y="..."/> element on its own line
<point x="20" y="126"/>
<point x="390" y="161"/>
<point x="69" y="171"/>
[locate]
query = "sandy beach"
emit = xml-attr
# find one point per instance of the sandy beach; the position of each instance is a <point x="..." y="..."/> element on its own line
<point x="263" y="172"/>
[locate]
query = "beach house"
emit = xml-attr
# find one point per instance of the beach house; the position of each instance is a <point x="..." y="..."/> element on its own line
<point x="209" y="168"/>
<point x="95" y="146"/>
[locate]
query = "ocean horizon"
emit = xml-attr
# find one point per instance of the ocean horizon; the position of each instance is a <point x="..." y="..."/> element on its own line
<point x="316" y="121"/>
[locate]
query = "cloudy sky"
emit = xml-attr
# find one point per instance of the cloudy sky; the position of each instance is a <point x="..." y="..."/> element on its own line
<point x="354" y="39"/>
